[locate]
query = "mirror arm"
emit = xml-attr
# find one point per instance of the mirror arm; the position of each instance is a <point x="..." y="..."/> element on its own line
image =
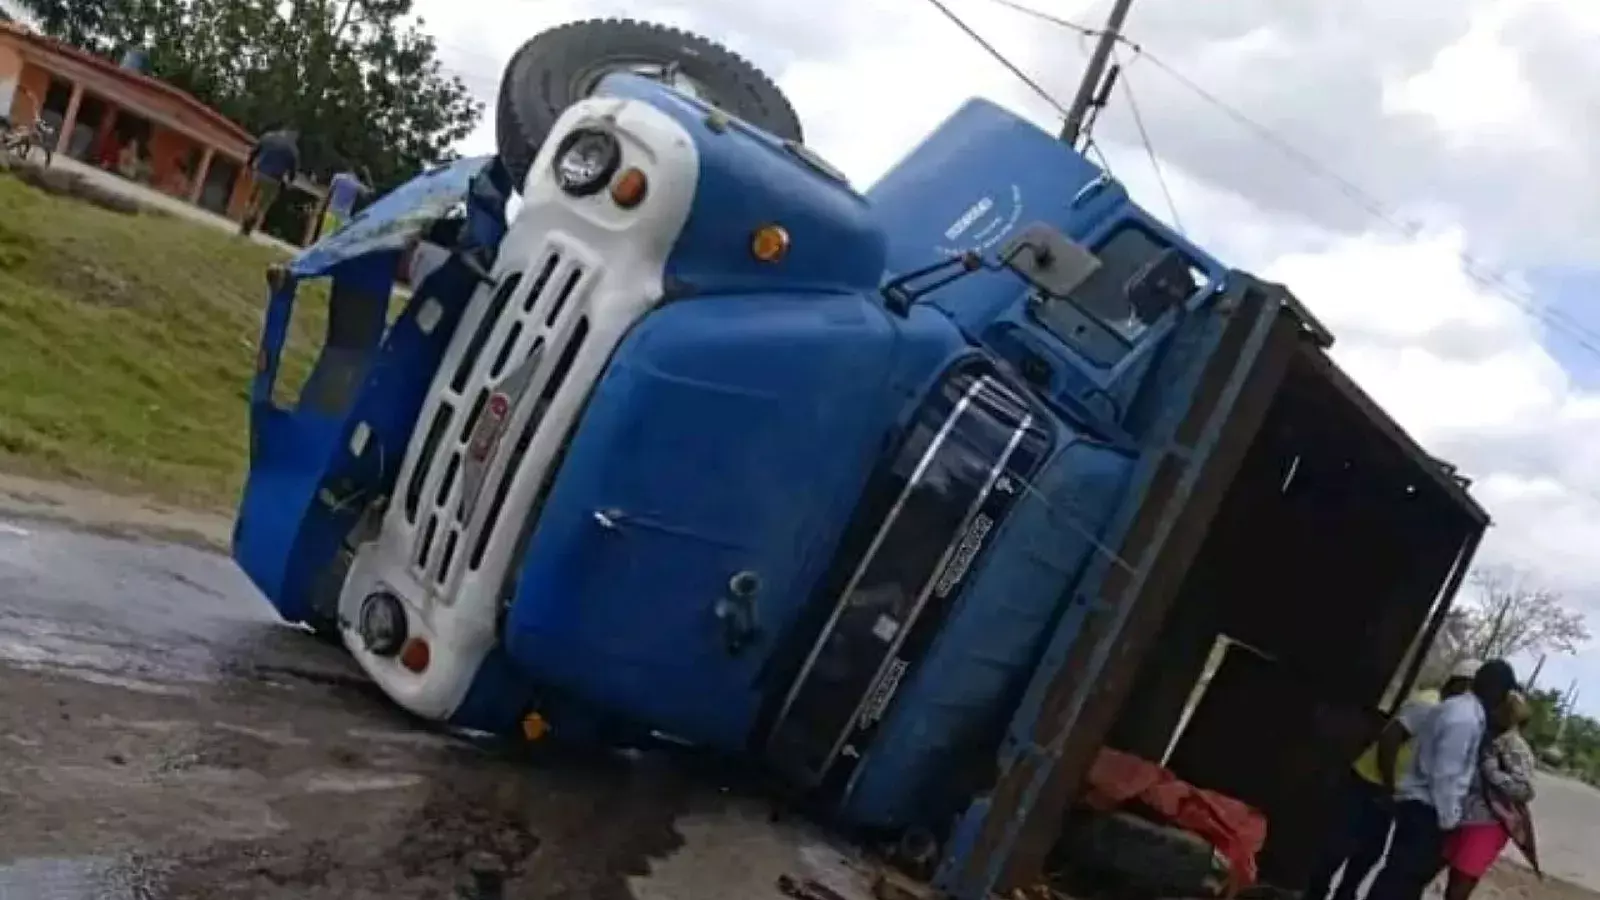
<point x="900" y="293"/>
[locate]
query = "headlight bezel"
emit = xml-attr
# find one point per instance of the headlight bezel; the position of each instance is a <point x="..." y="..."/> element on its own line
<point x="376" y="607"/>
<point x="596" y="182"/>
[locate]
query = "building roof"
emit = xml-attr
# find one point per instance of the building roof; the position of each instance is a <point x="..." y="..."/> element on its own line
<point x="140" y="93"/>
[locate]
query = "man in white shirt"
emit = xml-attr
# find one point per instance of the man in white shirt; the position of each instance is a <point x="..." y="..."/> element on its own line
<point x="1360" y="831"/>
<point x="1431" y="790"/>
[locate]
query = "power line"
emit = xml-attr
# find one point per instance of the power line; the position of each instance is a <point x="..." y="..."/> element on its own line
<point x="1082" y="30"/>
<point x="1001" y="58"/>
<point x="1474" y="269"/>
<point x="1090" y="146"/>
<point x="1150" y="150"/>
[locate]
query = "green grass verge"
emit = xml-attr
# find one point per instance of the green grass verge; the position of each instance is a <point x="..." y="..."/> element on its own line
<point x="127" y="344"/>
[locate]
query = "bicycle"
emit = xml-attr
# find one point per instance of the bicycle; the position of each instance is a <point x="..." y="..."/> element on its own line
<point x="19" y="141"/>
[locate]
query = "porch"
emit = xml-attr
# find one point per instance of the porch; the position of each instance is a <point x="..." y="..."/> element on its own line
<point x="124" y="122"/>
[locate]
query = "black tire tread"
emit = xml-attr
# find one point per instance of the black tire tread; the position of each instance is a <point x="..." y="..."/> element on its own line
<point x="519" y="139"/>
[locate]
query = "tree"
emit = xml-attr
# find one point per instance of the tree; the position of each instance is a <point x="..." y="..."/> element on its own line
<point x="360" y="79"/>
<point x="1504" y="615"/>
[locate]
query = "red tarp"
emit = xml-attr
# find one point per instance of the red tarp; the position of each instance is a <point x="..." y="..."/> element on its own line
<point x="1236" y="829"/>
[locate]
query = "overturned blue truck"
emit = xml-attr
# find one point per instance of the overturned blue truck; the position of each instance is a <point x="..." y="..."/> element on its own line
<point x="916" y="497"/>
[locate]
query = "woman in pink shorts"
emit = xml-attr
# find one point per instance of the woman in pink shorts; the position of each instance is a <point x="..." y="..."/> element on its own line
<point x="1496" y="809"/>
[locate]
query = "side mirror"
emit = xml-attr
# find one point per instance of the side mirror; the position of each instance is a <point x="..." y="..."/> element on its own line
<point x="1048" y="260"/>
<point x="1163" y="283"/>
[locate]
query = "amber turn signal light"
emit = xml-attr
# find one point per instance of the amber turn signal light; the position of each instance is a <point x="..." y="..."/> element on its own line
<point x="629" y="187"/>
<point x="534" y="727"/>
<point x="770" y="243"/>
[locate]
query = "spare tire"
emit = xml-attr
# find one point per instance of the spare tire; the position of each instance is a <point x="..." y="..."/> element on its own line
<point x="563" y="65"/>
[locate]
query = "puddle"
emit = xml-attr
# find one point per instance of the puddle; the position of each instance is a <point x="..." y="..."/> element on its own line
<point x="737" y="852"/>
<point x="79" y="878"/>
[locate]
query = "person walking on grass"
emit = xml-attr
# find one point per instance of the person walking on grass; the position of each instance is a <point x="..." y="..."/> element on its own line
<point x="1496" y="809"/>
<point x="273" y="162"/>
<point x="345" y="188"/>
<point x="1433" y="789"/>
<point x="1366" y="808"/>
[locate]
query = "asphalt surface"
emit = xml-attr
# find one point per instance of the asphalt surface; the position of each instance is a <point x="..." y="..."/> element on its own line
<point x="163" y="736"/>
<point x="1566" y="814"/>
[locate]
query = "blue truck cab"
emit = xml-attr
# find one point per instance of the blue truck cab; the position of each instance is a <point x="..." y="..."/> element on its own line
<point x="703" y="445"/>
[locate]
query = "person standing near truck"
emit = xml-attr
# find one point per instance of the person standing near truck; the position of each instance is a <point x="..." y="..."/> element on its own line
<point x="1366" y="808"/>
<point x="1496" y="809"/>
<point x="1434" y="787"/>
<point x="345" y="188"/>
<point x="273" y="163"/>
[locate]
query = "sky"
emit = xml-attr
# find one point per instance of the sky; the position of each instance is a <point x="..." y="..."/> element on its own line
<point x="1454" y="255"/>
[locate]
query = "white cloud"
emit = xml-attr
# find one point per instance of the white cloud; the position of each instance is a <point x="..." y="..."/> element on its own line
<point x="1473" y="88"/>
<point x="1472" y="118"/>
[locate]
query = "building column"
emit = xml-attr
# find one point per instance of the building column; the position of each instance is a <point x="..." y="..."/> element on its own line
<point x="64" y="139"/>
<point x="201" y="173"/>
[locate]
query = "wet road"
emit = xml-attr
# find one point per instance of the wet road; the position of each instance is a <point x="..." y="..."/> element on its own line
<point x="165" y="737"/>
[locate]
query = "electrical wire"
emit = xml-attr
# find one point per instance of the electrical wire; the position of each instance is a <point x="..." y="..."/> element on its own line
<point x="1082" y="30"/>
<point x="1001" y="58"/>
<point x="1150" y="149"/>
<point x="1090" y="146"/>
<point x="1475" y="269"/>
<point x="1482" y="274"/>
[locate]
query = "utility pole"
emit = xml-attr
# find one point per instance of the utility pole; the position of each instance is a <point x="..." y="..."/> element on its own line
<point x="1095" y="73"/>
<point x="1564" y="709"/>
<point x="1534" y="678"/>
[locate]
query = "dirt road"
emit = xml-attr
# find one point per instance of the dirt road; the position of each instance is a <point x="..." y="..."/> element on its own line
<point x="165" y="737"/>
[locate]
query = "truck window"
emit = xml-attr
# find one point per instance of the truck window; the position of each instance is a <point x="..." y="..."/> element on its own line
<point x="1103" y="295"/>
<point x="333" y="333"/>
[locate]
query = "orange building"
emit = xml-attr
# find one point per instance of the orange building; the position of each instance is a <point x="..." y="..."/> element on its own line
<point x="117" y="118"/>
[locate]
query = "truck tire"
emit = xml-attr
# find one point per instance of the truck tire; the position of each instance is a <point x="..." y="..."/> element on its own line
<point x="562" y="66"/>
<point x="323" y="616"/>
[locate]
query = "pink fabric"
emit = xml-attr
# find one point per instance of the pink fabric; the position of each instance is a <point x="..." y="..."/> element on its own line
<point x="1472" y="849"/>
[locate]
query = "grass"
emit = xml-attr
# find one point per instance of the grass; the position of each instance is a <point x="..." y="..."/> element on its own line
<point x="127" y="344"/>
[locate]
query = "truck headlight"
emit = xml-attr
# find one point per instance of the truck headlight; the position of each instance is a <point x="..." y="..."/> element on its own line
<point x="382" y="624"/>
<point x="585" y="160"/>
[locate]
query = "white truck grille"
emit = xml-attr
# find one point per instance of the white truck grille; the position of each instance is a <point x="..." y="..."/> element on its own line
<point x="517" y="356"/>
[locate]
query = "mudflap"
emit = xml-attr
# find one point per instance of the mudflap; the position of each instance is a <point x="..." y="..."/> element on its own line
<point x="926" y="513"/>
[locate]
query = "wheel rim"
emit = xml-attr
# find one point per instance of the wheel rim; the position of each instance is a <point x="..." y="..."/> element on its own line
<point x="670" y="74"/>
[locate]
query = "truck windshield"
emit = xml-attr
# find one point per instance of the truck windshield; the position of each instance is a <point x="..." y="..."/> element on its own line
<point x="1104" y="294"/>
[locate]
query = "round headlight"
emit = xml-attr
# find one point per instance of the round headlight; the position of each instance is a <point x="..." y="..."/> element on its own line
<point x="585" y="161"/>
<point x="382" y="624"/>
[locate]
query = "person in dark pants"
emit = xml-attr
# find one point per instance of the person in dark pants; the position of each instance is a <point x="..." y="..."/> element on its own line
<point x="273" y="163"/>
<point x="1366" y="807"/>
<point x="1434" y="786"/>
